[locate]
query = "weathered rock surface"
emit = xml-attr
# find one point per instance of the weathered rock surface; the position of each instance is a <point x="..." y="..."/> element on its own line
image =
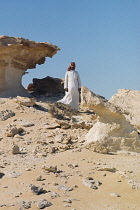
<point x="112" y="132"/>
<point x="129" y="100"/>
<point x="16" y="56"/>
<point x="48" y="86"/>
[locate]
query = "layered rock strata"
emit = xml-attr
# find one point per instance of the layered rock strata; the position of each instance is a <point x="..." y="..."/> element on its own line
<point x="16" y="56"/>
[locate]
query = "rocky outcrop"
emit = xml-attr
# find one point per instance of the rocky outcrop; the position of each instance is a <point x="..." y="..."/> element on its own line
<point x="47" y="86"/>
<point x="130" y="101"/>
<point x="16" y="56"/>
<point x="111" y="132"/>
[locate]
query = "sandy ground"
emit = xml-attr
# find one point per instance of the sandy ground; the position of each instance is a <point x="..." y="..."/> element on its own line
<point x="19" y="171"/>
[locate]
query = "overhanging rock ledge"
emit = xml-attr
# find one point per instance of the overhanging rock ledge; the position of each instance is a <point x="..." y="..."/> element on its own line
<point x="16" y="56"/>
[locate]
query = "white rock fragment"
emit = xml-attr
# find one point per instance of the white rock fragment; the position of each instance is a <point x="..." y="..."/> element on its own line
<point x="115" y="195"/>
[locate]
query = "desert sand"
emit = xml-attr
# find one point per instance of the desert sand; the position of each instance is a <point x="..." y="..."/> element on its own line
<point x="69" y="175"/>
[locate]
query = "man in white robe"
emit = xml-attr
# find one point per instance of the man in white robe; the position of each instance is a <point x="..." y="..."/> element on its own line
<point x="72" y="86"/>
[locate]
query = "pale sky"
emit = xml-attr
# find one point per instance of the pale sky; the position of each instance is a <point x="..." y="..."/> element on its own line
<point x="101" y="36"/>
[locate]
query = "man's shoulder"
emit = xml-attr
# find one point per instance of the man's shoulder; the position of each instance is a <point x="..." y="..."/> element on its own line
<point x="76" y="72"/>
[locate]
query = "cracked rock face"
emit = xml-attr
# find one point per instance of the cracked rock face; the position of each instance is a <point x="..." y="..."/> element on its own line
<point x="16" y="56"/>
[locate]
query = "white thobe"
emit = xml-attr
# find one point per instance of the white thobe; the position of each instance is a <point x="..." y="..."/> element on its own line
<point x="72" y="82"/>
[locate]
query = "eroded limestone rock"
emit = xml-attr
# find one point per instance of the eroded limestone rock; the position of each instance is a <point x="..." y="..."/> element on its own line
<point x="16" y="56"/>
<point x="130" y="101"/>
<point x="111" y="132"/>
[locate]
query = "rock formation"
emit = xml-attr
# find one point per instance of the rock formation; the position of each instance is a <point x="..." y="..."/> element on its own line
<point x="130" y="101"/>
<point x="47" y="86"/>
<point x="16" y="56"/>
<point x="111" y="132"/>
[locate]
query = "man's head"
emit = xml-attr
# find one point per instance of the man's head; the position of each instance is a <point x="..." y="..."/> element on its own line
<point x="72" y="65"/>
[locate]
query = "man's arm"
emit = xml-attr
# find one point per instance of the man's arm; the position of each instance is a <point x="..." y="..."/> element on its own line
<point x="79" y="81"/>
<point x="66" y="82"/>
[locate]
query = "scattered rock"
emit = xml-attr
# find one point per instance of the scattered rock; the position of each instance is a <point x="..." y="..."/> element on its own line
<point x="63" y="138"/>
<point x="36" y="190"/>
<point x="26" y="205"/>
<point x="27" y="124"/>
<point x="43" y="203"/>
<point x="115" y="195"/>
<point x="15" y="149"/>
<point x="110" y="169"/>
<point x="64" y="187"/>
<point x="54" y="195"/>
<point x="50" y="168"/>
<point x="63" y="124"/>
<point x="52" y="126"/>
<point x="2" y="205"/>
<point x="92" y="183"/>
<point x="39" y="178"/>
<point x="4" y="115"/>
<point x="67" y="200"/>
<point x="12" y="130"/>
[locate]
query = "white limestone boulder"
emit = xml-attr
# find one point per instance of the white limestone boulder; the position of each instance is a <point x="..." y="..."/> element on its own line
<point x="111" y="132"/>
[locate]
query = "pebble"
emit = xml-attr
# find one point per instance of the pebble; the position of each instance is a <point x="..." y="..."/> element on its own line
<point x="67" y="200"/>
<point x="39" y="178"/>
<point x="15" y="149"/>
<point x="36" y="190"/>
<point x="115" y="195"/>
